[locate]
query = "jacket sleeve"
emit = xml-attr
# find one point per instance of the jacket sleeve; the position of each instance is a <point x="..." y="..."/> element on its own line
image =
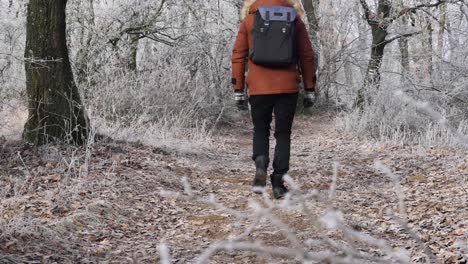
<point x="239" y="58"/>
<point x="306" y="56"/>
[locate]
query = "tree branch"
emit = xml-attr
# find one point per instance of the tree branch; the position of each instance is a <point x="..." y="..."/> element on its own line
<point x="388" y="41"/>
<point x="416" y="8"/>
<point x="367" y="12"/>
<point x="160" y="7"/>
<point x="160" y="40"/>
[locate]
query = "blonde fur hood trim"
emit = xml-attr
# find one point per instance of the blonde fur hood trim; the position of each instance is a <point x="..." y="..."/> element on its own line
<point x="296" y="4"/>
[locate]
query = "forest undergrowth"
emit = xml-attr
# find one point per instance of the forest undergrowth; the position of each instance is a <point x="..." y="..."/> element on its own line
<point x="167" y="177"/>
<point x="353" y="201"/>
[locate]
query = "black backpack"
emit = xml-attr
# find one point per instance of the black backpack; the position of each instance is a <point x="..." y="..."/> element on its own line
<point x="273" y="36"/>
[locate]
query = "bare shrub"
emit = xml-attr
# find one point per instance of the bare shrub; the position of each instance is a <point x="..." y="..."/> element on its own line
<point x="178" y="81"/>
<point x="390" y="117"/>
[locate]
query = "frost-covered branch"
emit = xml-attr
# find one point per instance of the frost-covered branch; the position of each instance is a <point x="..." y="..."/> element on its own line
<point x="414" y="9"/>
<point x="390" y="40"/>
<point x="300" y="250"/>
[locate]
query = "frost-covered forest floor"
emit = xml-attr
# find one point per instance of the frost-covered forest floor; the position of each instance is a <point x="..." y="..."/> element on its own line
<point x="56" y="207"/>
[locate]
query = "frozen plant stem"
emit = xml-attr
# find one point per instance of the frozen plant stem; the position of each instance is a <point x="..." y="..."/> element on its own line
<point x="30" y="176"/>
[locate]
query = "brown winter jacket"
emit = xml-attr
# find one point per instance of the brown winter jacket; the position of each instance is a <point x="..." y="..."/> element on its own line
<point x="262" y="80"/>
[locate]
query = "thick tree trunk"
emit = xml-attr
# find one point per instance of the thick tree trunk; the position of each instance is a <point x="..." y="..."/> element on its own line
<point x="55" y="110"/>
<point x="379" y="35"/>
<point x="372" y="78"/>
<point x="377" y="53"/>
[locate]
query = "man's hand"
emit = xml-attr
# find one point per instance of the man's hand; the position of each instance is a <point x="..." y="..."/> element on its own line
<point x="241" y="100"/>
<point x="309" y="99"/>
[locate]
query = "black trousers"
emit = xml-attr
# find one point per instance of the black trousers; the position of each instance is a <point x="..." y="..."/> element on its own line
<point x="284" y="108"/>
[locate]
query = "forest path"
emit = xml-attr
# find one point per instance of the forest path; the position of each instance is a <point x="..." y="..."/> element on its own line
<point x="434" y="185"/>
<point x="114" y="211"/>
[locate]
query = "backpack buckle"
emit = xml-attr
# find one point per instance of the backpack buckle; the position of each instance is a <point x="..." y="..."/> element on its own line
<point x="267" y="18"/>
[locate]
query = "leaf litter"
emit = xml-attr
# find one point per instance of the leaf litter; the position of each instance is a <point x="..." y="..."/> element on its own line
<point x="52" y="212"/>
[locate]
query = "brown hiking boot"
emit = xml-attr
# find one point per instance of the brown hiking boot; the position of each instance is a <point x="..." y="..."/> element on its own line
<point x="259" y="183"/>
<point x="279" y="190"/>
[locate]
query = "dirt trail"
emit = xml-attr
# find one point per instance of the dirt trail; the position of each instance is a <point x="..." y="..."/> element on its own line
<point x="115" y="212"/>
<point x="434" y="181"/>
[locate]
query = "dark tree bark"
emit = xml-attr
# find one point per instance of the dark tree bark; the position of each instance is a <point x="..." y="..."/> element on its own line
<point x="379" y="22"/>
<point x="379" y="34"/>
<point x="55" y="110"/>
<point x="379" y="25"/>
<point x="377" y="52"/>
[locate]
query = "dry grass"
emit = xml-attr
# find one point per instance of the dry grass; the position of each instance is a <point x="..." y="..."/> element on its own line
<point x="13" y="115"/>
<point x="401" y="118"/>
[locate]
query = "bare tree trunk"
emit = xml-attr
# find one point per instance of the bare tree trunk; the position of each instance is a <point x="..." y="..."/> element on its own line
<point x="86" y="19"/>
<point x="377" y="53"/>
<point x="132" y="53"/>
<point x="84" y="57"/>
<point x="363" y="39"/>
<point x="404" y="47"/>
<point x="328" y="39"/>
<point x="428" y="49"/>
<point x="404" y="52"/>
<point x="379" y="35"/>
<point x="379" y="22"/>
<point x="311" y="8"/>
<point x="442" y="23"/>
<point x="55" y="110"/>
